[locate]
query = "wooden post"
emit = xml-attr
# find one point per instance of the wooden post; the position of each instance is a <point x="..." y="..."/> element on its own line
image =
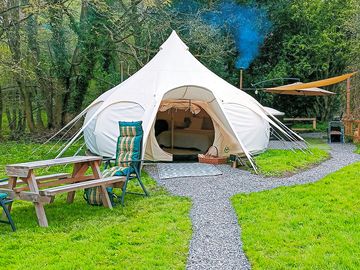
<point x="71" y="194"/>
<point x="348" y="110"/>
<point x="79" y="171"/>
<point x="39" y="207"/>
<point x="357" y="133"/>
<point x="95" y="166"/>
<point x="348" y="122"/>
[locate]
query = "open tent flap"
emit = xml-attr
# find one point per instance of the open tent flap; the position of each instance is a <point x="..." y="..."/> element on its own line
<point x="224" y="139"/>
<point x="152" y="148"/>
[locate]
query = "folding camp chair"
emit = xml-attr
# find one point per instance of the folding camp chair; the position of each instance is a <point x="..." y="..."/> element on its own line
<point x="4" y="200"/>
<point x="128" y="156"/>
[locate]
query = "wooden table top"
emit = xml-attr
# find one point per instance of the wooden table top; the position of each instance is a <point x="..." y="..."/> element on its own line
<point x="54" y="162"/>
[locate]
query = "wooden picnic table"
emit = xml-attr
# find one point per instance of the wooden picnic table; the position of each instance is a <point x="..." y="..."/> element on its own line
<point x="31" y="185"/>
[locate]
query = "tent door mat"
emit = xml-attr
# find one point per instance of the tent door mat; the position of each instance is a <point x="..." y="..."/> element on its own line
<point x="174" y="170"/>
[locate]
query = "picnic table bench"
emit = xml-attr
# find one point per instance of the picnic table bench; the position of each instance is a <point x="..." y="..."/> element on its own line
<point x="23" y="184"/>
<point x="302" y="119"/>
<point x="41" y="180"/>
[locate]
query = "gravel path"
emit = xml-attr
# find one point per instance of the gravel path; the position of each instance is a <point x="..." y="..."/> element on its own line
<point x="216" y="242"/>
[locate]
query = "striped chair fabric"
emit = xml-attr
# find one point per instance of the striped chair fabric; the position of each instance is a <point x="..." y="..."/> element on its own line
<point x="128" y="148"/>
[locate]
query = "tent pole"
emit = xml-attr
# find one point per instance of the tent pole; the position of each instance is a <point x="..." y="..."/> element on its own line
<point x="172" y="129"/>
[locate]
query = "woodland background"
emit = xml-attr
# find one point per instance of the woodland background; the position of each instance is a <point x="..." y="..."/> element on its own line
<point x="56" y="56"/>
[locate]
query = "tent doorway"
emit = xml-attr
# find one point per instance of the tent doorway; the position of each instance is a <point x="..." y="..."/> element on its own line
<point x="184" y="129"/>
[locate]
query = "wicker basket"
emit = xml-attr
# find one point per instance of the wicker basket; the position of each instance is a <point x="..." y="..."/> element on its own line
<point x="212" y="160"/>
<point x="209" y="159"/>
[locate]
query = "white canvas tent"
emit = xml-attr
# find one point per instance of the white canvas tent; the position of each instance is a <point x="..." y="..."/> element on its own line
<point x="241" y="124"/>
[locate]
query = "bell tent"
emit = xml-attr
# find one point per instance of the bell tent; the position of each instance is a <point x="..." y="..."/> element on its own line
<point x="172" y="79"/>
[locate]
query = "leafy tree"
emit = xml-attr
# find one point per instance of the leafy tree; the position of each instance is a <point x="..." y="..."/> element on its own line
<point x="56" y="56"/>
<point x="309" y="41"/>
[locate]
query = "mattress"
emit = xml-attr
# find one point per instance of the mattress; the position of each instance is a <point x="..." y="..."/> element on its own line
<point x="187" y="138"/>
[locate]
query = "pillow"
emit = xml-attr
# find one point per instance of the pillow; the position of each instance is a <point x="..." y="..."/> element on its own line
<point x="196" y="123"/>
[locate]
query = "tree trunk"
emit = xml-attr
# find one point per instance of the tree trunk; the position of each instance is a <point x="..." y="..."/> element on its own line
<point x="43" y="81"/>
<point x="39" y="121"/>
<point x="21" y="121"/>
<point x="13" y="37"/>
<point x="84" y="54"/>
<point x="12" y="121"/>
<point x="60" y="59"/>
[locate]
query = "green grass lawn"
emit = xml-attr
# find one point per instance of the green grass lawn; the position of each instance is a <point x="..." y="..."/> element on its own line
<point x="313" y="226"/>
<point x="24" y="151"/>
<point x="148" y="233"/>
<point x="274" y="162"/>
<point x="320" y="126"/>
<point x="357" y="148"/>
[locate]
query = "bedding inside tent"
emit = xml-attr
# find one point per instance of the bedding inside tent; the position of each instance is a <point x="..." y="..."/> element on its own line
<point x="183" y="129"/>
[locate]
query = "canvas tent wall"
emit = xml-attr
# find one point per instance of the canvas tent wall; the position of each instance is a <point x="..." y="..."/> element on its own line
<point x="241" y="124"/>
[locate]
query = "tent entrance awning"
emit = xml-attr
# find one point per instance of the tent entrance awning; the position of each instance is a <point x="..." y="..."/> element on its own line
<point x="185" y="105"/>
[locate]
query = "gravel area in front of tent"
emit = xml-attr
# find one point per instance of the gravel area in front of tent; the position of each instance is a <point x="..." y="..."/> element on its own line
<point x="285" y="145"/>
<point x="216" y="241"/>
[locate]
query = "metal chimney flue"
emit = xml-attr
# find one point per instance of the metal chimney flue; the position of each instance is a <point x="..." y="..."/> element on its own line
<point x="241" y="78"/>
